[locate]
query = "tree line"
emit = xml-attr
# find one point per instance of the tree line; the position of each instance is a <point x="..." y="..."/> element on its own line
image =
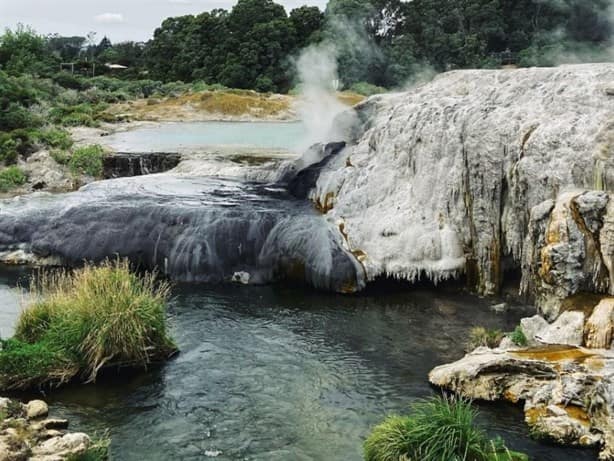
<point x="382" y="42"/>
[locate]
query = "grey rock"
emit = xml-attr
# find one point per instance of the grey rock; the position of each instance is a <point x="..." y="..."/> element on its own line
<point x="531" y="327"/>
<point x="568" y="329"/>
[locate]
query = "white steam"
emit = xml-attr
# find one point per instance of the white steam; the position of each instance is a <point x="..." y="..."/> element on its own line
<point x="318" y="81"/>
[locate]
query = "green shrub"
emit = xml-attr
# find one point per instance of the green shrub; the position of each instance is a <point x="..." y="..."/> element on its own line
<point x="68" y="80"/>
<point x="483" y="337"/>
<point x="61" y="157"/>
<point x="367" y="89"/>
<point x="518" y="337"/>
<point x="84" y="320"/>
<point x="56" y="138"/>
<point x="437" y="429"/>
<point x="16" y="116"/>
<point x="87" y="160"/>
<point x="8" y="149"/>
<point x="11" y="178"/>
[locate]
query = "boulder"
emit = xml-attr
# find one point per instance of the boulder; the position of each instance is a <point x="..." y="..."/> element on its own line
<point x="600" y="325"/>
<point x="36" y="409"/>
<point x="531" y="327"/>
<point x="568" y="392"/>
<point x="61" y="447"/>
<point x="567" y="329"/>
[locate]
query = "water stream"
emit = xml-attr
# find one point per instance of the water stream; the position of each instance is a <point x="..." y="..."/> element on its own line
<point x="281" y="373"/>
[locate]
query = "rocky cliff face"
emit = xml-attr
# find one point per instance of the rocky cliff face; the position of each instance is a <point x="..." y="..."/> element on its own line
<point x="443" y="178"/>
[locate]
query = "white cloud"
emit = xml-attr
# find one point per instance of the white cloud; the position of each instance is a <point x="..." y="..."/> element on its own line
<point x="109" y="18"/>
<point x="180" y="2"/>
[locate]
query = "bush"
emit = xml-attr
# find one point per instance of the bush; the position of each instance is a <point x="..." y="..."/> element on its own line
<point x="56" y="138"/>
<point x="518" y="337"/>
<point x="67" y="80"/>
<point x="61" y="157"/>
<point x="16" y="116"/>
<point x="483" y="337"/>
<point x="367" y="89"/>
<point x="84" y="320"/>
<point x="87" y="160"/>
<point x="437" y="429"/>
<point x="11" y="178"/>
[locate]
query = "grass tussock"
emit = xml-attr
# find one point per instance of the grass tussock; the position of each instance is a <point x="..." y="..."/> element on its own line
<point x="437" y="429"/>
<point x="11" y="178"/>
<point x="484" y="337"/>
<point x="82" y="321"/>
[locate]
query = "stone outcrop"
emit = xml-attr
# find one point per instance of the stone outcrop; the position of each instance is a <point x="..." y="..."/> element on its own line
<point x="599" y="328"/>
<point x="27" y="434"/>
<point x="568" y="392"/>
<point x="126" y="164"/>
<point x="454" y="175"/>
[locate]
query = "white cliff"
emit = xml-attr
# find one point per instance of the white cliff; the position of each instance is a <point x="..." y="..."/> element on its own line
<point x="443" y="178"/>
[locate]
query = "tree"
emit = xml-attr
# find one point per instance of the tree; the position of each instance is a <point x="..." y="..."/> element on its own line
<point x="23" y="51"/>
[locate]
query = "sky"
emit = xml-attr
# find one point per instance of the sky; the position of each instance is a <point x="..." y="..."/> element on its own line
<point x="120" y="20"/>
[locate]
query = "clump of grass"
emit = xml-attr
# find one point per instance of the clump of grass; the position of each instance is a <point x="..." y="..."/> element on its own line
<point x="518" y="337"/>
<point x="87" y="160"/>
<point x="84" y="320"/>
<point x="438" y="428"/>
<point x="484" y="337"/>
<point x="11" y="177"/>
<point x="97" y="451"/>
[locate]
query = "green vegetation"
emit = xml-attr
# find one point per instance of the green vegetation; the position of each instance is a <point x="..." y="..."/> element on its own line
<point x="484" y="337"/>
<point x="11" y="178"/>
<point x="87" y="160"/>
<point x="437" y="429"/>
<point x="518" y="337"/>
<point x="381" y="42"/>
<point x="97" y="451"/>
<point x="84" y="320"/>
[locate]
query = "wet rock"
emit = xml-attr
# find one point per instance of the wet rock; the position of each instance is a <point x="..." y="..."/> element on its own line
<point x="192" y="229"/>
<point x="125" y="164"/>
<point x="499" y="308"/>
<point x="36" y="409"/>
<point x="61" y="448"/>
<point x="51" y="423"/>
<point x="241" y="277"/>
<point x="567" y="329"/>
<point x="568" y="392"/>
<point x="36" y="439"/>
<point x="600" y="325"/>
<point x="564" y="251"/>
<point x="531" y="327"/>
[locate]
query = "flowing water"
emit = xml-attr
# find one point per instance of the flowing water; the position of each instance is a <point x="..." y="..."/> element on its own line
<point x="280" y="373"/>
<point x="185" y="136"/>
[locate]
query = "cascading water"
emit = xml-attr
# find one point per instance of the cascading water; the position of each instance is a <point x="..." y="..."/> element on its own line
<point x="192" y="229"/>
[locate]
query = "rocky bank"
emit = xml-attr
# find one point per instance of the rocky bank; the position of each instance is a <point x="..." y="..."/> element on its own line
<point x="27" y="433"/>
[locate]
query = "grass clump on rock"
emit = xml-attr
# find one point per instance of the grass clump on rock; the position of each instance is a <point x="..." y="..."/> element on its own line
<point x="87" y="160"/>
<point x="11" y="177"/>
<point x="82" y="321"/>
<point x="437" y="429"/>
<point x="484" y="337"/>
